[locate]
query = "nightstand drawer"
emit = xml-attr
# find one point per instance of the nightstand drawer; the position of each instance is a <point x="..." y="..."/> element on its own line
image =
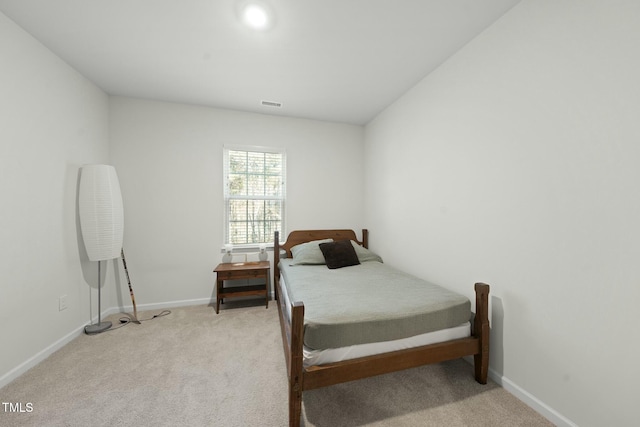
<point x="234" y="275"/>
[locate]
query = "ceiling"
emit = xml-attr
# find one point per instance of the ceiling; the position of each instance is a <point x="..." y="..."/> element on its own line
<point x="334" y="60"/>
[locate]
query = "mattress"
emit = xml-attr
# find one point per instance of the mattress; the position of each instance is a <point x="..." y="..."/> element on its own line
<point x="369" y="303"/>
<point x="313" y="357"/>
<point x="331" y="355"/>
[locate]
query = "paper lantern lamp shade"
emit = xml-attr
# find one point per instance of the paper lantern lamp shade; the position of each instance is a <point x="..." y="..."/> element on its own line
<point x="101" y="212"/>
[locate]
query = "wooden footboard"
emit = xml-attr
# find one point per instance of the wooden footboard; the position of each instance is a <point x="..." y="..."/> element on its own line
<point x="292" y="329"/>
<point x="481" y="333"/>
<point x="300" y="378"/>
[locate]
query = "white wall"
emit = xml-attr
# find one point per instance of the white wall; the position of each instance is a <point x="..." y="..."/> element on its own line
<point x="52" y="121"/>
<point x="516" y="163"/>
<point x="169" y="161"/>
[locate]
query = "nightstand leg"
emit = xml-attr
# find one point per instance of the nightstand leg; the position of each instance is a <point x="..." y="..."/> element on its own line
<point x="218" y="292"/>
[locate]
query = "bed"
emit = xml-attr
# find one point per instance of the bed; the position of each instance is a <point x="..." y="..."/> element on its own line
<point x="332" y="334"/>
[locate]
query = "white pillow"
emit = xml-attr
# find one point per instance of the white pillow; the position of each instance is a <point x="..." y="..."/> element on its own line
<point x="365" y="254"/>
<point x="308" y="253"/>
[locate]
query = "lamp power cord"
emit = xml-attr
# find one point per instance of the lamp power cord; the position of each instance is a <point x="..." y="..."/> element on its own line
<point x="125" y="320"/>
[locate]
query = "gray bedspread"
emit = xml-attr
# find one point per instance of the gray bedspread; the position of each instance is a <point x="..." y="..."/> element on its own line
<point x="370" y="302"/>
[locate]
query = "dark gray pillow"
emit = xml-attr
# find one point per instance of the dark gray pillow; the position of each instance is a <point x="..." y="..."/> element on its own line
<point x="339" y="254"/>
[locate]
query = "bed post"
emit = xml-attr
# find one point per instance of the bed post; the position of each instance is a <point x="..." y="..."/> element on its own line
<point x="276" y="261"/>
<point x="296" y="367"/>
<point x="365" y="238"/>
<point x="481" y="331"/>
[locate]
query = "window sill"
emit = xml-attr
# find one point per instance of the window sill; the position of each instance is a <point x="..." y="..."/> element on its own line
<point x="241" y="249"/>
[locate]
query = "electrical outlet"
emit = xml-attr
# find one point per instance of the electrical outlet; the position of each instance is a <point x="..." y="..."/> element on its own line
<point x="62" y="303"/>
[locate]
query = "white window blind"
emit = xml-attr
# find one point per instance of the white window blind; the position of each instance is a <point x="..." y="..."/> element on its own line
<point x="254" y="194"/>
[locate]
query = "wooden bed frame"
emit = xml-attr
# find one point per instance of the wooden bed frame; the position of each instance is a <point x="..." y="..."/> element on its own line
<point x="301" y="378"/>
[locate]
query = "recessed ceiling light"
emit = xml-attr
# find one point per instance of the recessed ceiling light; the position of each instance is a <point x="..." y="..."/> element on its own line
<point x="256" y="16"/>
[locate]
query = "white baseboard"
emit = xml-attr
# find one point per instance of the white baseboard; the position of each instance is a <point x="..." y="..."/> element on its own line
<point x="162" y="305"/>
<point x="532" y="401"/>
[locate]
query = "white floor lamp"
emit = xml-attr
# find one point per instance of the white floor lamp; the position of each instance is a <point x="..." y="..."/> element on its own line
<point x="101" y="221"/>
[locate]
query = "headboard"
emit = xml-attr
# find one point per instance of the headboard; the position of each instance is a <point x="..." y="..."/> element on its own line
<point x="301" y="236"/>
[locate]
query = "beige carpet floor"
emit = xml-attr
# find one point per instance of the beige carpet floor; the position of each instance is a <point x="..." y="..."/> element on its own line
<point x="195" y="368"/>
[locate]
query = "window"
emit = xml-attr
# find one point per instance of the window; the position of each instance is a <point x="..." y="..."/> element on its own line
<point x="254" y="194"/>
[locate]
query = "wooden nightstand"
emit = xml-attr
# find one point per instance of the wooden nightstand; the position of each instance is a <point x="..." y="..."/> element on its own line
<point x="239" y="271"/>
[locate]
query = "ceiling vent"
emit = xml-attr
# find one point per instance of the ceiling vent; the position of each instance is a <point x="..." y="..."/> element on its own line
<point x="272" y="104"/>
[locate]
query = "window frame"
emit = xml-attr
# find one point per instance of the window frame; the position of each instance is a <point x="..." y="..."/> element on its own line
<point x="228" y="196"/>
